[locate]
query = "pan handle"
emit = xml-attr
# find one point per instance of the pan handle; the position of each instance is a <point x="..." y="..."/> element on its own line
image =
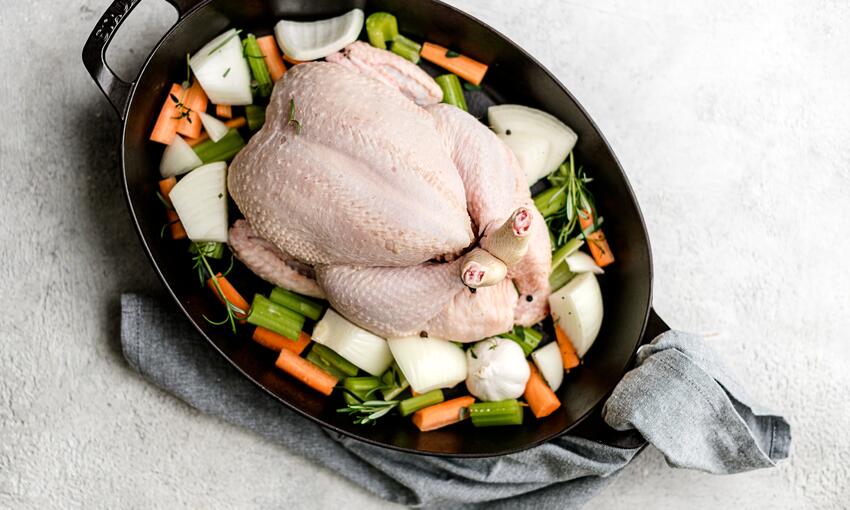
<point x="655" y="325"/>
<point x="116" y="90"/>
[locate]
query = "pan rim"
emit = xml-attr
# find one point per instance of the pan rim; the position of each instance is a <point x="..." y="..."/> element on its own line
<point x="328" y="426"/>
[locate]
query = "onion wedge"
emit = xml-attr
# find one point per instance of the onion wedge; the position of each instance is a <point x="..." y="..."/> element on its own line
<point x="200" y="200"/>
<point x="310" y="40"/>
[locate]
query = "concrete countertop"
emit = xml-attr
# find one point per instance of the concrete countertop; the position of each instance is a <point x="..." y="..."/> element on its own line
<point x="730" y="117"/>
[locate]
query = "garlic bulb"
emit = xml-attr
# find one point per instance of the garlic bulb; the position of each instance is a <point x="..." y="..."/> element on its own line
<point x="496" y="370"/>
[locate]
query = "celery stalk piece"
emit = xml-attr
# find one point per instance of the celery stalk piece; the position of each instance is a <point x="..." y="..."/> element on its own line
<point x="395" y="382"/>
<point x="406" y="48"/>
<point x="551" y="201"/>
<point x="256" y="116"/>
<point x="257" y="63"/>
<point x="492" y="414"/>
<point x="223" y="150"/>
<point x="343" y="365"/>
<point x="452" y="91"/>
<point x="410" y="405"/>
<point x="527" y="338"/>
<point x="323" y="364"/>
<point x="297" y="303"/>
<point x="566" y="250"/>
<point x="277" y="318"/>
<point x="560" y="276"/>
<point x="381" y="27"/>
<point x="360" y="387"/>
<point x="210" y="249"/>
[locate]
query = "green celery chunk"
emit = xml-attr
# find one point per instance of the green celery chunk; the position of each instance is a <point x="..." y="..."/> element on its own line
<point x="381" y="27"/>
<point x="277" y="318"/>
<point x="330" y="356"/>
<point x="452" y="90"/>
<point x="410" y="405"/>
<point x="493" y="414"/>
<point x="297" y="303"/>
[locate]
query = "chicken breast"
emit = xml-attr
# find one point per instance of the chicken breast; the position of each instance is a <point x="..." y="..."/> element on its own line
<point x="366" y="181"/>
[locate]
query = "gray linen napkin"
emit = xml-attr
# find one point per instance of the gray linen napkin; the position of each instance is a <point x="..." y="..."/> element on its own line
<point x="679" y="397"/>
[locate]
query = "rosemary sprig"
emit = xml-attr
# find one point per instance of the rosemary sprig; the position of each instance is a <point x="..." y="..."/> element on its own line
<point x="292" y="120"/>
<point x="369" y="411"/>
<point x="184" y="110"/>
<point x="579" y="201"/>
<point x="202" y="265"/>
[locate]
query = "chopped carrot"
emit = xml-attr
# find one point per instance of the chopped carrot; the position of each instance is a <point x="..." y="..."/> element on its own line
<point x="443" y="414"/>
<point x="468" y="69"/>
<point x="277" y="342"/>
<point x="568" y="352"/>
<point x="539" y="395"/>
<point x="194" y="102"/>
<point x="230" y="294"/>
<point x="268" y="46"/>
<point x="596" y="241"/>
<point x="293" y="61"/>
<point x="165" y="128"/>
<point x="225" y="111"/>
<point x="306" y="372"/>
<point x="174" y="225"/>
<point x="236" y="123"/>
<point x="165" y="186"/>
<point x="176" y="228"/>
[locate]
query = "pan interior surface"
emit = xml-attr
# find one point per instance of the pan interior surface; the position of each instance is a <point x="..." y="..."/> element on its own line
<point x="514" y="77"/>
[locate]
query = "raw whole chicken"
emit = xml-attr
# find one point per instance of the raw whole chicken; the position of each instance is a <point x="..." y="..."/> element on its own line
<point x="407" y="215"/>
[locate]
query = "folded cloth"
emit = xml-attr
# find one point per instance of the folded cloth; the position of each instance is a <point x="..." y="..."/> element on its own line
<point x="679" y="397"/>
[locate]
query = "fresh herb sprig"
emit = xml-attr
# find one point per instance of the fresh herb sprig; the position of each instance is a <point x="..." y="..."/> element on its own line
<point x="203" y="268"/>
<point x="369" y="411"/>
<point x="183" y="110"/>
<point x="579" y="205"/>
<point x="292" y="120"/>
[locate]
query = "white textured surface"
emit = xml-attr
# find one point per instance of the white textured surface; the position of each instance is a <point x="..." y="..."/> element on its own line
<point x="731" y="118"/>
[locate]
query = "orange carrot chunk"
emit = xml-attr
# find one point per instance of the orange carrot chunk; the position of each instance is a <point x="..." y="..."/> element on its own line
<point x="174" y="225"/>
<point x="306" y="372"/>
<point x="596" y="241"/>
<point x="277" y="342"/>
<point x="230" y="294"/>
<point x="194" y="101"/>
<point x="165" y="128"/>
<point x="539" y="395"/>
<point x="236" y="123"/>
<point x="225" y="111"/>
<point x="443" y="414"/>
<point x="271" y="54"/>
<point x="468" y="69"/>
<point x="568" y="352"/>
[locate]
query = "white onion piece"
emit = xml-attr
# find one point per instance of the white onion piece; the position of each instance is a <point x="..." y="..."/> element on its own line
<point x="550" y="363"/>
<point x="365" y="350"/>
<point x="581" y="262"/>
<point x="200" y="200"/>
<point x="429" y="363"/>
<point x="530" y="122"/>
<point x="178" y="158"/>
<point x="310" y="40"/>
<point x="577" y="309"/>
<point x="215" y="128"/>
<point x="222" y="70"/>
<point x="531" y="151"/>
